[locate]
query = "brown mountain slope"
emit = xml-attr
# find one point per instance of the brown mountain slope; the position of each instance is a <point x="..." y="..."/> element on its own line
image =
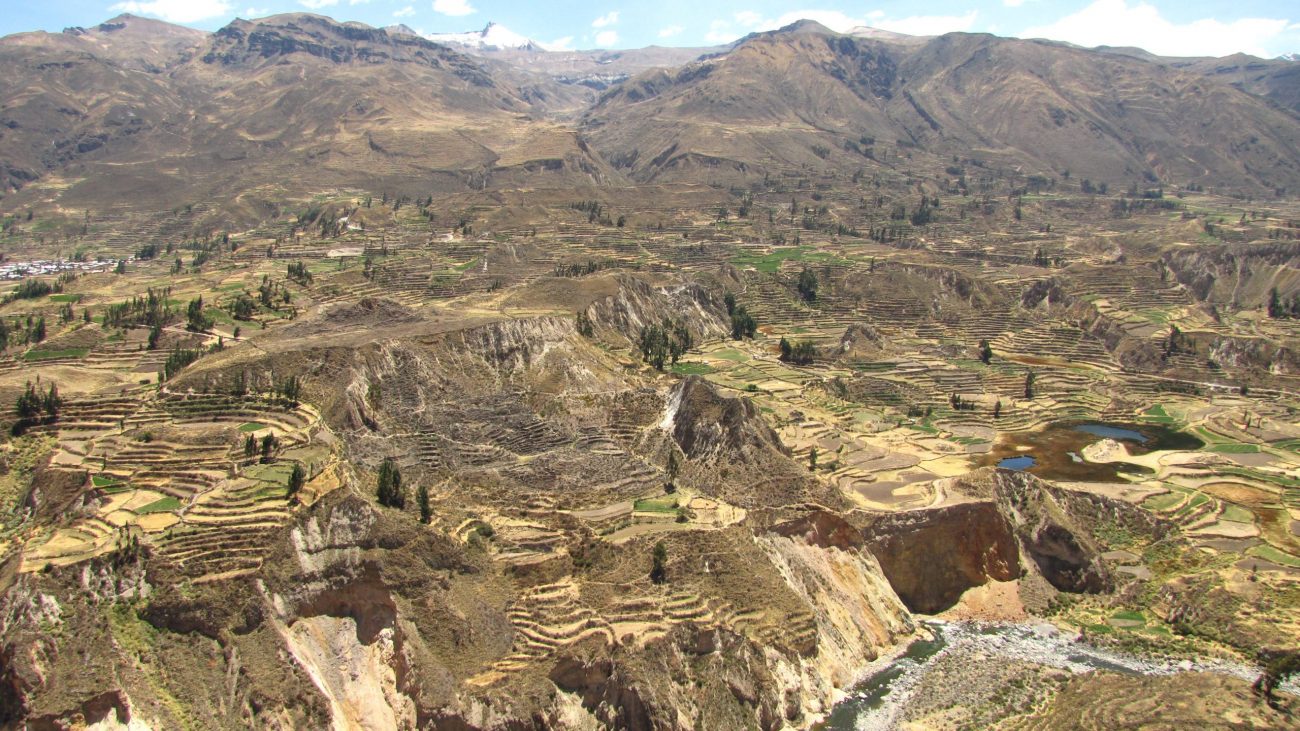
<point x="295" y="103"/>
<point x="777" y="97"/>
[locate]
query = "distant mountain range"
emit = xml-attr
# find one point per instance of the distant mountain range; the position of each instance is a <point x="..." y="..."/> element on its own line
<point x="136" y="112"/>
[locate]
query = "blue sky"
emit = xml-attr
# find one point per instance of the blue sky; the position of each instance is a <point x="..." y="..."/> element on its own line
<point x="1182" y="27"/>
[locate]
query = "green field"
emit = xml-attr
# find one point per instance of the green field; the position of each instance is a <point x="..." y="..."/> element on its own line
<point x="1234" y="448"/>
<point x="164" y="505"/>
<point x="1157" y="414"/>
<point x="1269" y="553"/>
<point x="731" y="355"/>
<point x="655" y="505"/>
<point x="1237" y="514"/>
<point x="277" y="473"/>
<point x="692" y="369"/>
<point x="771" y="261"/>
<point x="251" y="426"/>
<point x="39" y="355"/>
<point x="65" y="298"/>
<point x="1161" y="503"/>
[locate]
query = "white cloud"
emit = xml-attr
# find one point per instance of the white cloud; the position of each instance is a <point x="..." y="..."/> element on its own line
<point x="559" y="44"/>
<point x="721" y="31"/>
<point x="176" y="11"/>
<point x="833" y="19"/>
<point x="929" y="25"/>
<point x="1116" y="23"/>
<point x="454" y="8"/>
<point x="670" y="31"/>
<point x="1013" y="3"/>
<point x="317" y="4"/>
<point x="609" y="18"/>
<point x="256" y="12"/>
<point x="606" y="38"/>
<point x="405" y="12"/>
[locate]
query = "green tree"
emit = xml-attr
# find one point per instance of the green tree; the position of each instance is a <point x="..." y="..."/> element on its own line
<point x="1030" y="377"/>
<point x="296" y="479"/>
<point x="812" y="459"/>
<point x="422" y="500"/>
<point x="743" y="324"/>
<point x="250" y="446"/>
<point x="29" y="403"/>
<point x="1277" y="668"/>
<point x="807" y="285"/>
<point x="269" y="443"/>
<point x="997" y="409"/>
<point x="986" y="352"/>
<point x="1274" y="304"/>
<point x="389" y="487"/>
<point x="729" y="300"/>
<point x="659" y="566"/>
<point x="195" y="320"/>
<point x="52" y="401"/>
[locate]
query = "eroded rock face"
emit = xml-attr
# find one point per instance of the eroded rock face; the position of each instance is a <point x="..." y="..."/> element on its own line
<point x="710" y="427"/>
<point x="932" y="556"/>
<point x="1006" y="524"/>
<point x="639" y="303"/>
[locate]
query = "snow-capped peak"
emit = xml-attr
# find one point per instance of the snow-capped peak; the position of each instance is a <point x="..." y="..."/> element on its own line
<point x="493" y="37"/>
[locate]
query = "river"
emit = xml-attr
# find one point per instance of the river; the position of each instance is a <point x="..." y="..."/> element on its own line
<point x="879" y="701"/>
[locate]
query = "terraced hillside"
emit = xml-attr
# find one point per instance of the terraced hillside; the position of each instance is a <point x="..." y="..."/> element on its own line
<point x="535" y="431"/>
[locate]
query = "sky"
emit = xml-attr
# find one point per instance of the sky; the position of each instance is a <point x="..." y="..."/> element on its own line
<point x="1265" y="28"/>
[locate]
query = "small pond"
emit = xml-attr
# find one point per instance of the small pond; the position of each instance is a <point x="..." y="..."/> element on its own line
<point x="1023" y="462"/>
<point x="1053" y="452"/>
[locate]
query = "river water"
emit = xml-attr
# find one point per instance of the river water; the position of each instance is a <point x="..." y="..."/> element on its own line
<point x="879" y="701"/>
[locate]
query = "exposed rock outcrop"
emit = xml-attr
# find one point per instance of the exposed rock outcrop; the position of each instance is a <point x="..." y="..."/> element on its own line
<point x="1002" y="524"/>
<point x="639" y="303"/>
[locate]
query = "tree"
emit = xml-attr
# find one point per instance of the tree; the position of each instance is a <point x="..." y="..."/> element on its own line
<point x="296" y="479"/>
<point x="389" y="488"/>
<point x="800" y="353"/>
<point x="812" y="459"/>
<point x="29" y="403"/>
<point x="250" y="446"/>
<point x="1274" y="304"/>
<point x="195" y="320"/>
<point x="269" y="443"/>
<point x="1277" y="668"/>
<point x="155" y="334"/>
<point x="986" y="352"/>
<point x="997" y="409"/>
<point x="422" y="500"/>
<point x="243" y="307"/>
<point x="743" y="324"/>
<point x="807" y="285"/>
<point x="729" y="300"/>
<point x="52" y="402"/>
<point x="659" y="567"/>
<point x="1030" y="377"/>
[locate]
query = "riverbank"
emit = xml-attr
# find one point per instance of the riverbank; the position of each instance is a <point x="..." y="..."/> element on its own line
<point x="981" y="672"/>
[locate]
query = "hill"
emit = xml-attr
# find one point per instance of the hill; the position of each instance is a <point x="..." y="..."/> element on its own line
<point x="779" y="98"/>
